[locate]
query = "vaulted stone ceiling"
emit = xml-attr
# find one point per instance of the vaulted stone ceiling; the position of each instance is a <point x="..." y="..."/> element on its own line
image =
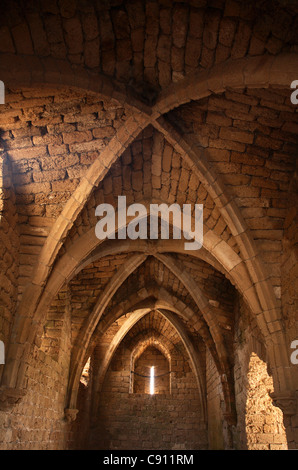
<point x="176" y="102"/>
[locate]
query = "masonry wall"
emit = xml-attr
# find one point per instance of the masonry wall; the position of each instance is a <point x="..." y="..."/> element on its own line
<point x="37" y="421"/>
<point x="9" y="251"/>
<point x="289" y="292"/>
<point x="142" y="421"/>
<point x="79" y="429"/>
<point x="214" y="406"/>
<point x="141" y="383"/>
<point x="181" y="75"/>
<point x="260" y="424"/>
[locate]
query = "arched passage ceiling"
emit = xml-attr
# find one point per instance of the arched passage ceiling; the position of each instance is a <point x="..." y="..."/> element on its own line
<point x="139" y="330"/>
<point x="146" y="45"/>
<point x="211" y="122"/>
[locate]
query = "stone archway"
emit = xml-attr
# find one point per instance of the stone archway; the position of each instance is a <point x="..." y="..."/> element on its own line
<point x="132" y="404"/>
<point x="173" y="102"/>
<point x="144" y="379"/>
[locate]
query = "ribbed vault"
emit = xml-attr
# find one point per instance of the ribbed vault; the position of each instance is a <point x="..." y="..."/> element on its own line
<point x="165" y="103"/>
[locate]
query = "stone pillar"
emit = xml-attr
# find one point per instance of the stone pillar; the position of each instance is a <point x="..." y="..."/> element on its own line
<point x="288" y="403"/>
<point x="70" y="414"/>
<point x="231" y="421"/>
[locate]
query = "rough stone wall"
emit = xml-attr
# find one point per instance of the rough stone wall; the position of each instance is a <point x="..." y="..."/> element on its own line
<point x="151" y="168"/>
<point x="150" y="357"/>
<point x="79" y="430"/>
<point x="264" y="424"/>
<point x="150" y="422"/>
<point x="51" y="137"/>
<point x="289" y="270"/>
<point x="9" y="251"/>
<point x="214" y="405"/>
<point x="259" y="424"/>
<point x="289" y="259"/>
<point x="251" y="140"/>
<point x="247" y="137"/>
<point x="146" y="42"/>
<point x="37" y="421"/>
<point x="143" y="421"/>
<point x="289" y="290"/>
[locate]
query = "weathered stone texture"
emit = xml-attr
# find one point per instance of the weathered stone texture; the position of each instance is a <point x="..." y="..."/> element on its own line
<point x="182" y="102"/>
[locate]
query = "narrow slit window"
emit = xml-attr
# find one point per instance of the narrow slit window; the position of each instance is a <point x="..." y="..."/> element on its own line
<point x="152" y="380"/>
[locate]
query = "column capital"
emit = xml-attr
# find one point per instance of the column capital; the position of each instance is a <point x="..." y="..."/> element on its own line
<point x="230" y="417"/>
<point x="286" y="401"/>
<point x="10" y="397"/>
<point x="70" y="414"/>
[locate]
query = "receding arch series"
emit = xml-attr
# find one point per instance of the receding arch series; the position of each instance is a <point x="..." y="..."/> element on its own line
<point x="245" y="270"/>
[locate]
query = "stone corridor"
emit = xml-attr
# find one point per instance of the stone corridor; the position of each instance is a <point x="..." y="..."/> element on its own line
<point x="164" y="102"/>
